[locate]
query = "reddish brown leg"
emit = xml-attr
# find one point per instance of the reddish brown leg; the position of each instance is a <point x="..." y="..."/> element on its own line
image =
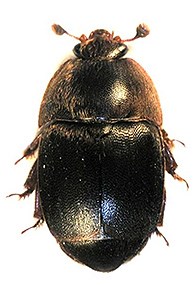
<point x="30" y="150"/>
<point x="31" y="184"/>
<point x="161" y="235"/>
<point x="171" y="164"/>
<point x="37" y="211"/>
<point x="37" y="224"/>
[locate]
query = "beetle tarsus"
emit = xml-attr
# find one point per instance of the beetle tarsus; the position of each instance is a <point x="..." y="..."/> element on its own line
<point x="171" y="164"/>
<point x="30" y="150"/>
<point x="37" y="224"/>
<point x="31" y="181"/>
<point x="161" y="235"/>
<point x="37" y="212"/>
<point x="176" y="176"/>
<point x="168" y="142"/>
<point x="22" y="195"/>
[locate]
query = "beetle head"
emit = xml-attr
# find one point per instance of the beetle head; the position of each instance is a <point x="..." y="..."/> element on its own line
<point x="101" y="43"/>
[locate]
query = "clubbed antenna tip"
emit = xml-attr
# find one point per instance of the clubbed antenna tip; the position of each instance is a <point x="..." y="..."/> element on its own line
<point x="60" y="31"/>
<point x="141" y="32"/>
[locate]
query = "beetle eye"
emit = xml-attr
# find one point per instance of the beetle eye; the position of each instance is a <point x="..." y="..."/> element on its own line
<point x="77" y="50"/>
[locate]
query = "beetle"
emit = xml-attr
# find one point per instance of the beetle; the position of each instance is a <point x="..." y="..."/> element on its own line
<point x="101" y="154"/>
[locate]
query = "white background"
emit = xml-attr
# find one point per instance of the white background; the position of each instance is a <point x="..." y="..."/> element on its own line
<point x="29" y="55"/>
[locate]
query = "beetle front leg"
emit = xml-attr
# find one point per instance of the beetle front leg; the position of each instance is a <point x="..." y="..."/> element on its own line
<point x="30" y="150"/>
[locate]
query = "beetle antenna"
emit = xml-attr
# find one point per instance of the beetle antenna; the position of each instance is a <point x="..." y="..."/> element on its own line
<point x="141" y="32"/>
<point x="58" y="30"/>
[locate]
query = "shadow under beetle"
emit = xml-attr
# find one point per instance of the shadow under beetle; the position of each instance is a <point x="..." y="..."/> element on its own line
<point x="102" y="154"/>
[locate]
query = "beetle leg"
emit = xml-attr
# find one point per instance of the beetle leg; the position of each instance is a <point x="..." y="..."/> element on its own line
<point x="170" y="142"/>
<point x="30" y="183"/>
<point x="171" y="165"/>
<point x="167" y="140"/>
<point x="170" y="162"/>
<point x="30" y="150"/>
<point x="161" y="235"/>
<point x="37" y="224"/>
<point x="37" y="212"/>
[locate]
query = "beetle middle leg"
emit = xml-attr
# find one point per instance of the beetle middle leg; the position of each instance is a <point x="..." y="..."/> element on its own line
<point x="170" y="162"/>
<point x="31" y="185"/>
<point x="37" y="212"/>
